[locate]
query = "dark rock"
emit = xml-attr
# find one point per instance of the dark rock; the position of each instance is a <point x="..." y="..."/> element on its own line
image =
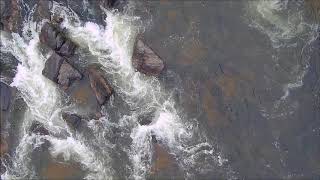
<point x="67" y="74"/>
<point x="72" y="120"/>
<point x="38" y="128"/>
<point x="11" y="16"/>
<point x="145" y="60"/>
<point x="5" y="96"/>
<point x="52" y="36"/>
<point x="2" y="7"/>
<point x="8" y="66"/>
<point x="52" y="67"/>
<point x="67" y="49"/>
<point x="146" y="119"/>
<point x="48" y="35"/>
<point x="114" y="4"/>
<point x="42" y="11"/>
<point x="4" y="148"/>
<point x="99" y="85"/>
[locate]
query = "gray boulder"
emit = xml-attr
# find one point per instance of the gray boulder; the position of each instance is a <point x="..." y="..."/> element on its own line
<point x="52" y="67"/>
<point x="67" y="74"/>
<point x="145" y="60"/>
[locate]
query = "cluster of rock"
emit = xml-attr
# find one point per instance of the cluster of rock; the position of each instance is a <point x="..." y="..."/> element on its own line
<point x="61" y="69"/>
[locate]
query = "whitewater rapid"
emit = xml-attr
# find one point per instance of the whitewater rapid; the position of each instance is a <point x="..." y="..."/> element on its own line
<point x="110" y="45"/>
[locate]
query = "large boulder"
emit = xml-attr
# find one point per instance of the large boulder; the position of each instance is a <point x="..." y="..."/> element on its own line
<point x="67" y="74"/>
<point x="5" y="94"/>
<point x="56" y="40"/>
<point x="52" y="67"/>
<point x="145" y="60"/>
<point x="99" y="85"/>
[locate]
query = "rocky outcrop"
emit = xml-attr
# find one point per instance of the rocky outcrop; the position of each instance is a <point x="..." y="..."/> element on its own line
<point x="60" y="71"/>
<point x="52" y="67"/>
<point x="38" y="128"/>
<point x="11" y="16"/>
<point x="5" y="94"/>
<point x="145" y="60"/>
<point x="42" y="10"/>
<point x="52" y="37"/>
<point x="67" y="74"/>
<point x="99" y="85"/>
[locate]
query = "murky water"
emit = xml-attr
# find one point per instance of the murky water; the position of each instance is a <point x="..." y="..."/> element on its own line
<point x="238" y="98"/>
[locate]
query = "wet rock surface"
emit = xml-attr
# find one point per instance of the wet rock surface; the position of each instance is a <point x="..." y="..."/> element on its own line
<point x="145" y="60"/>
<point x="72" y="120"/>
<point x="38" y="128"/>
<point x="5" y="94"/>
<point x="99" y="85"/>
<point x="67" y="74"/>
<point x="52" y="36"/>
<point x="52" y="67"/>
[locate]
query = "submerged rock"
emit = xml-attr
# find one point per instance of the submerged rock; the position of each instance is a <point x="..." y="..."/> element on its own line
<point x="99" y="85"/>
<point x="52" y="67"/>
<point x="67" y="74"/>
<point x="72" y="120"/>
<point x="38" y="128"/>
<point x="5" y="96"/>
<point x="164" y="165"/>
<point x="145" y="60"/>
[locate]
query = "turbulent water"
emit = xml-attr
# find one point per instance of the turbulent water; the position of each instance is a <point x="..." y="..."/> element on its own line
<point x="111" y="46"/>
<point x="286" y="25"/>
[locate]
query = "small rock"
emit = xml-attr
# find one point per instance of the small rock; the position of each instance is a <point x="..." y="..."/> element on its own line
<point x="99" y="85"/>
<point x="38" y="128"/>
<point x="52" y="67"/>
<point x="145" y="60"/>
<point x="72" y="120"/>
<point x="67" y="74"/>
<point x="5" y="96"/>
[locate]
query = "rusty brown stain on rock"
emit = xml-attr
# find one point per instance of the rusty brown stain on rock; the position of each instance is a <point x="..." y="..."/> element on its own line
<point x="81" y="95"/>
<point x="57" y="171"/>
<point x="162" y="159"/>
<point x="192" y="52"/>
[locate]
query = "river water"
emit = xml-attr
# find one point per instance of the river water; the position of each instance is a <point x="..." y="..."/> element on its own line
<point x="238" y="98"/>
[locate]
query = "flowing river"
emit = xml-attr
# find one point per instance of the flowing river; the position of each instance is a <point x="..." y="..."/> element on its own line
<point x="200" y="54"/>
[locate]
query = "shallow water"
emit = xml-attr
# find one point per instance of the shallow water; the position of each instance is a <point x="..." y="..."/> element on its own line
<point x="238" y="99"/>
